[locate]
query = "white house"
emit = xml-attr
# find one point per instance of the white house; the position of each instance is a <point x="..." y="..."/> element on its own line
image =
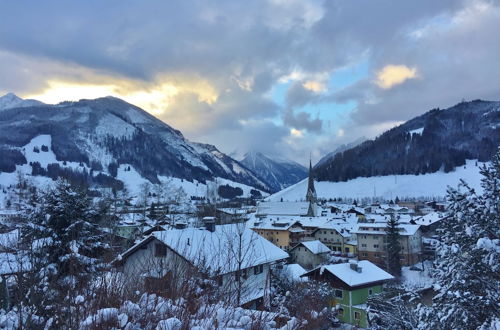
<point x="237" y="258"/>
<point x="310" y="254"/>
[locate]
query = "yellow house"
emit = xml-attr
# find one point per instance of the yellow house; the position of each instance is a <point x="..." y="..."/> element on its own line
<point x="284" y="232"/>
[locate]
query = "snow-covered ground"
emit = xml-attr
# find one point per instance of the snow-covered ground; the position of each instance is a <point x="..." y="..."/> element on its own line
<point x="413" y="280"/>
<point x="388" y="187"/>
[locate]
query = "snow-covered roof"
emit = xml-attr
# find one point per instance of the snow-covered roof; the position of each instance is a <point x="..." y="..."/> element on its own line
<point x="11" y="264"/>
<point x="316" y="247"/>
<point x="429" y="219"/>
<point x="274" y="222"/>
<point x="294" y="271"/>
<point x="378" y="228"/>
<point x="369" y="273"/>
<point x="283" y="208"/>
<point x="218" y="251"/>
<point x="10" y="240"/>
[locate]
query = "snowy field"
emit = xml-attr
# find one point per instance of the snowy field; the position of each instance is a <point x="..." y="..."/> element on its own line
<point x="388" y="187"/>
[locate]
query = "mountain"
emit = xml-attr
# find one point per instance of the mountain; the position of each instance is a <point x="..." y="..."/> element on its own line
<point x="101" y="135"/>
<point x="340" y="149"/>
<point x="10" y="100"/>
<point x="437" y="140"/>
<point x="276" y="173"/>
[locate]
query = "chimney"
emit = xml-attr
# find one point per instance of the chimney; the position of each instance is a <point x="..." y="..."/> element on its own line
<point x="209" y="223"/>
<point x="353" y="264"/>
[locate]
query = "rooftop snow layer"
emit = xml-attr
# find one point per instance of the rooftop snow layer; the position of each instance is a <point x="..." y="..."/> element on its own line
<point x="369" y="273"/>
<point x="219" y="250"/>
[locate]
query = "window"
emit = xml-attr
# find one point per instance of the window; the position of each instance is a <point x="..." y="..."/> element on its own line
<point x="277" y="240"/>
<point x="341" y="311"/>
<point x="375" y="246"/>
<point x="364" y="236"/>
<point x="364" y="254"/>
<point x="363" y="245"/>
<point x="370" y="292"/>
<point x="357" y="315"/>
<point x="324" y="232"/>
<point x="258" y="269"/>
<point x="160" y="250"/>
<point x="338" y="294"/>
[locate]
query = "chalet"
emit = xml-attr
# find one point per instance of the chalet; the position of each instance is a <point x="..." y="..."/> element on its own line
<point x="310" y="254"/>
<point x="234" y="256"/>
<point x="372" y="242"/>
<point x="353" y="283"/>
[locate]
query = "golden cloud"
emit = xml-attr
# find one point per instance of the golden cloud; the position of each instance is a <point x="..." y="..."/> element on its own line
<point x="392" y="75"/>
<point x="314" y="86"/>
<point x="154" y="97"/>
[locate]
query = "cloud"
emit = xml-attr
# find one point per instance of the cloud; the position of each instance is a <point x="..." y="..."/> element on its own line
<point x="392" y="75"/>
<point x="302" y="121"/>
<point x="210" y="67"/>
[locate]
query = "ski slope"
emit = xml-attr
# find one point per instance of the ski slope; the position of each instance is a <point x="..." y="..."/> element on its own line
<point x="433" y="185"/>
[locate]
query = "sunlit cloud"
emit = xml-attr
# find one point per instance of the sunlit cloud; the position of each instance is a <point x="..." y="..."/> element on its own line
<point x="392" y="75"/>
<point x="154" y="97"/>
<point x="314" y="86"/>
<point x="296" y="133"/>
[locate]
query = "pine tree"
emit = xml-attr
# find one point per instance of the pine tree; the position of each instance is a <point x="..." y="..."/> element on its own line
<point x="70" y="250"/>
<point x="468" y="263"/>
<point x="393" y="246"/>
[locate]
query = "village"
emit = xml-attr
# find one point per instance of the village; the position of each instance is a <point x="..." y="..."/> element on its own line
<point x="243" y="249"/>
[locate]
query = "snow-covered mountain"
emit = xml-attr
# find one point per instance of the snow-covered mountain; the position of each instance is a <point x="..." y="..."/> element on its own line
<point x="275" y="172"/>
<point x="105" y="136"/>
<point x="10" y="100"/>
<point x="438" y="140"/>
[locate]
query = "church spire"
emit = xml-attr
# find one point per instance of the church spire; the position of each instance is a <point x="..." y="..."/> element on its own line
<point x="311" y="191"/>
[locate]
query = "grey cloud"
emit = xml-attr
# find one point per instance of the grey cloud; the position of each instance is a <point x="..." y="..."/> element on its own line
<point x="302" y="120"/>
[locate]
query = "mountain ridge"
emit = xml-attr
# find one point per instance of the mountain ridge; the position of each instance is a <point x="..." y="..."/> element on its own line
<point x="437" y="139"/>
<point x="277" y="173"/>
<point x="108" y="131"/>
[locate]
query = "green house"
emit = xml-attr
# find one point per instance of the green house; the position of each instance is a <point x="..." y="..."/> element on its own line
<point x="353" y="283"/>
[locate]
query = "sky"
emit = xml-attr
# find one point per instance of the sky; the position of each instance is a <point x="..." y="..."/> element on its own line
<point x="290" y="78"/>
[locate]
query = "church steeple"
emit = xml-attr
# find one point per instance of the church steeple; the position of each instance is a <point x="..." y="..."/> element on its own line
<point x="311" y="191"/>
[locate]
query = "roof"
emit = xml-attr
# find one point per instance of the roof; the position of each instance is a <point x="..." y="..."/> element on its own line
<point x="316" y="247"/>
<point x="10" y="240"/>
<point x="11" y="264"/>
<point x="283" y="208"/>
<point x="429" y="219"/>
<point x="218" y="251"/>
<point x="405" y="229"/>
<point x="369" y="273"/>
<point x="294" y="271"/>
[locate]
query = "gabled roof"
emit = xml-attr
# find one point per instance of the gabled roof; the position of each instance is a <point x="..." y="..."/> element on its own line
<point x="283" y="208"/>
<point x="369" y="273"/>
<point x="315" y="247"/>
<point x="404" y="229"/>
<point x="430" y="218"/>
<point x="227" y="249"/>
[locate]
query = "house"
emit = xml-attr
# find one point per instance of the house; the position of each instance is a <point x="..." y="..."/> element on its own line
<point x="232" y="255"/>
<point x="336" y="237"/>
<point x="310" y="254"/>
<point x="353" y="283"/>
<point x="430" y="222"/>
<point x="372" y="242"/>
<point x="230" y="215"/>
<point x="282" y="231"/>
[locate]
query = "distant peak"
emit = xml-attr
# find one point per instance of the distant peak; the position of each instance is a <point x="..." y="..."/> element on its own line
<point x="10" y="96"/>
<point x="11" y="100"/>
